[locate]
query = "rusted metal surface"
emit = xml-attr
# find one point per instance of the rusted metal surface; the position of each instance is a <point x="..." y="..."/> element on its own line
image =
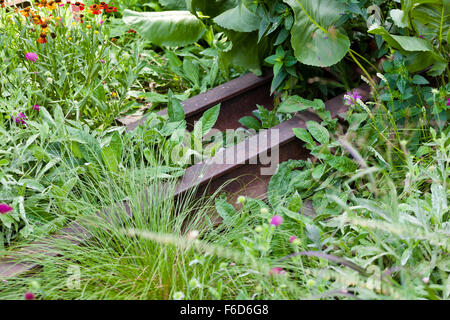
<point x="215" y="172"/>
<point x="244" y="170"/>
<point x="237" y="98"/>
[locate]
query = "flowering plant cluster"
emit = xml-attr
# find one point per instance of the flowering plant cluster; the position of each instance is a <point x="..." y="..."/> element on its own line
<point x="77" y="8"/>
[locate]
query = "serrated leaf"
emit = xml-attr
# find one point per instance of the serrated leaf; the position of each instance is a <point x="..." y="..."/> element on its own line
<point x="343" y="164"/>
<point x="319" y="132"/>
<point x="225" y="210"/>
<point x="318" y="171"/>
<point x="303" y="135"/>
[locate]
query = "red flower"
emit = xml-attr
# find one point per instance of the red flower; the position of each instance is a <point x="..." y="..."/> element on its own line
<point x="111" y="9"/>
<point x="78" y="6"/>
<point x="95" y="9"/>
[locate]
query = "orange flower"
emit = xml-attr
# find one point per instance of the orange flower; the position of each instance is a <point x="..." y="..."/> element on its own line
<point x="37" y="19"/>
<point x="41" y="4"/>
<point x="44" y="27"/>
<point x="95" y="9"/>
<point x="103" y="5"/>
<point x="51" y="5"/>
<point x="42" y="38"/>
<point x="26" y="12"/>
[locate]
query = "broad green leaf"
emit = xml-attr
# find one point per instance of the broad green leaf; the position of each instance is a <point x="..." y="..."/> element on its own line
<point x="343" y="164"/>
<point x="191" y="71"/>
<point x="209" y="119"/>
<point x="419" y="80"/>
<point x="174" y="108"/>
<point x="439" y="200"/>
<point x="250" y="123"/>
<point x="109" y="159"/>
<point x="314" y="37"/>
<point x="399" y="18"/>
<point x="303" y="135"/>
<point x="174" y="4"/>
<point x="168" y="28"/>
<point x="319" y="132"/>
<point x="225" y="210"/>
<point x="297" y="104"/>
<point x="402" y="42"/>
<point x="319" y="171"/>
<point x="279" y="186"/>
<point x="211" y="8"/>
<point x="112" y="153"/>
<point x="238" y="19"/>
<point x="295" y="203"/>
<point x="245" y="52"/>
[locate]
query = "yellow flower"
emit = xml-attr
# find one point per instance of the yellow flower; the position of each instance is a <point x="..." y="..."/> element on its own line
<point x="96" y="32"/>
<point x="70" y="38"/>
<point x="113" y="94"/>
<point x="89" y="26"/>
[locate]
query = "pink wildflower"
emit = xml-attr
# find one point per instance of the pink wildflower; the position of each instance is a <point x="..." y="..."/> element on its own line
<point x="276" y="220"/>
<point x="277" y="270"/>
<point x="29" y="296"/>
<point x="350" y="98"/>
<point x="4" y="208"/>
<point x="20" y="119"/>
<point x="31" y="56"/>
<point x="291" y="239"/>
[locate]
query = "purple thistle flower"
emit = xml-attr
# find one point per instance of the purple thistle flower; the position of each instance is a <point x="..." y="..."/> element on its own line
<point x="291" y="239"/>
<point x="36" y="107"/>
<point x="31" y="56"/>
<point x="4" y="208"/>
<point x="421" y="37"/>
<point x="276" y="220"/>
<point x="29" y="296"/>
<point x="448" y="103"/>
<point x="102" y="61"/>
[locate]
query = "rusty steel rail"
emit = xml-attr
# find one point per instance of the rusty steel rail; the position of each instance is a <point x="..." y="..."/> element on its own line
<point x="238" y="98"/>
<point x="245" y="171"/>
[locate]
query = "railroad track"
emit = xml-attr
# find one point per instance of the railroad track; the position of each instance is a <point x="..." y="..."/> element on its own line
<point x="238" y="98"/>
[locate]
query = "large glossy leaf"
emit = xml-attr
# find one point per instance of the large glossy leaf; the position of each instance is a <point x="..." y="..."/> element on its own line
<point x="245" y="52"/>
<point x="173" y="4"/>
<point x="210" y="8"/>
<point x="169" y="28"/>
<point x="315" y="39"/>
<point x="402" y="42"/>
<point x="239" y="19"/>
